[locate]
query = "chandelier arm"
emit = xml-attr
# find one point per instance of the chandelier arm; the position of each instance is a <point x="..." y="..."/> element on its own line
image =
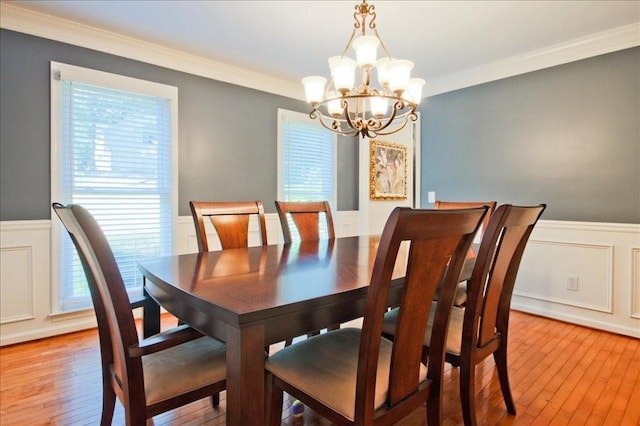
<point x="353" y="124"/>
<point x="346" y="48"/>
<point x="335" y="127"/>
<point x="394" y="130"/>
<point x="372" y="12"/>
<point x="357" y="13"/>
<point x="382" y="43"/>
<point x="396" y="107"/>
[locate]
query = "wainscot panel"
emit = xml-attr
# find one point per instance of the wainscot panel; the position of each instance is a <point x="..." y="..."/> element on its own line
<point x="584" y="273"/>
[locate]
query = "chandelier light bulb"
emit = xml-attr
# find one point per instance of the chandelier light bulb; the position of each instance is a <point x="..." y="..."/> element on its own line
<point x="382" y="69"/>
<point x="415" y="89"/>
<point x="334" y="104"/>
<point x="366" y="48"/>
<point x="343" y="70"/>
<point x="332" y="60"/>
<point x="314" y="89"/>
<point x="378" y="106"/>
<point x="399" y="75"/>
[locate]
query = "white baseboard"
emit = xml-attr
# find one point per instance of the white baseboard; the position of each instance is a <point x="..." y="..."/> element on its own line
<point x="633" y="331"/>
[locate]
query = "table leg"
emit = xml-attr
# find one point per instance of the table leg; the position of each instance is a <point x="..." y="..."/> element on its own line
<point x="150" y="316"/>
<point x="150" y="312"/>
<point x="245" y="376"/>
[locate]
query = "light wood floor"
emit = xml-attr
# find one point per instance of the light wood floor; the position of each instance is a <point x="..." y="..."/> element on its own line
<point x="560" y="373"/>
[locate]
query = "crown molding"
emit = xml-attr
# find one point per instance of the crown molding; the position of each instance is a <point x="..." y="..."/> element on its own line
<point x="66" y="31"/>
<point x="581" y="48"/>
<point x="25" y="21"/>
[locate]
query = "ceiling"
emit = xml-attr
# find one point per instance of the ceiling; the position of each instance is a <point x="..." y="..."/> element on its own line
<point x="292" y="39"/>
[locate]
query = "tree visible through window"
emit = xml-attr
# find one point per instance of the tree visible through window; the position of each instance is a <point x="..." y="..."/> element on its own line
<point x="112" y="152"/>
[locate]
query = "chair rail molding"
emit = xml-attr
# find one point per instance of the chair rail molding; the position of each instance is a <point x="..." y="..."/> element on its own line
<point x="605" y="258"/>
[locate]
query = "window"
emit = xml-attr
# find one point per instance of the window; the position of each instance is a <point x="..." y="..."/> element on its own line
<point x="307" y="165"/>
<point x="113" y="150"/>
<point x="306" y="159"/>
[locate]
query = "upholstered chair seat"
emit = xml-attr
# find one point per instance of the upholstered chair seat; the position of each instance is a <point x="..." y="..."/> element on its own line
<point x="326" y="369"/>
<point x="171" y="372"/>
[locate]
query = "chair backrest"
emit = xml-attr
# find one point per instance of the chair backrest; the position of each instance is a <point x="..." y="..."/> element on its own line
<point x="439" y="240"/>
<point x="439" y="204"/>
<point x="231" y="221"/>
<point x="306" y="217"/>
<point x="490" y="288"/>
<point x="116" y="326"/>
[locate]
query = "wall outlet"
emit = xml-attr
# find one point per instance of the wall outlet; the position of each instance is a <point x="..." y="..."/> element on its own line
<point x="572" y="282"/>
<point x="431" y="196"/>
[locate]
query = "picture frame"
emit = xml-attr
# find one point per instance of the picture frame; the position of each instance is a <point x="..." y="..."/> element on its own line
<point x="387" y="171"/>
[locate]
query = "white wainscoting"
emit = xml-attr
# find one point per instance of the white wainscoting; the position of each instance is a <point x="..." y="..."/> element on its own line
<point x="25" y="274"/>
<point x="25" y="285"/>
<point x="604" y="257"/>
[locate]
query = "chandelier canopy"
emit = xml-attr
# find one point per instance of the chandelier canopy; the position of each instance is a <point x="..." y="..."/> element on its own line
<point x="350" y="104"/>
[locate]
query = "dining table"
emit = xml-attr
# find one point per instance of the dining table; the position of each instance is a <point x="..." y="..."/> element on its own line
<point x="253" y="297"/>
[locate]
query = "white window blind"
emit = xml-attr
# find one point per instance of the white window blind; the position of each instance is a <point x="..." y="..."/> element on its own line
<point x="307" y="164"/>
<point x="115" y="153"/>
<point x="307" y="159"/>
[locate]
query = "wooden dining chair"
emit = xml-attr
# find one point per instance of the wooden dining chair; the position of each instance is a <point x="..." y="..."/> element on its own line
<point x="230" y="220"/>
<point x="461" y="292"/>
<point x="306" y="218"/>
<point x="355" y="376"/>
<point x="439" y="204"/>
<point x="148" y="376"/>
<point x="481" y="328"/>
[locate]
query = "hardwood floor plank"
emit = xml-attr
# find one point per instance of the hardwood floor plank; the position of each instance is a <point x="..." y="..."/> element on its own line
<point x="613" y="379"/>
<point x="561" y="374"/>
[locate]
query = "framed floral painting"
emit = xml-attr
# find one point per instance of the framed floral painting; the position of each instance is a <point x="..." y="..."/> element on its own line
<point x="387" y="171"/>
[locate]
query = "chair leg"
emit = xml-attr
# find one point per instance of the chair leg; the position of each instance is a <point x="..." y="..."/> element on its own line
<point x="467" y="392"/>
<point x="274" y="401"/>
<point x="433" y="406"/>
<point x="500" y="357"/>
<point x="215" y="400"/>
<point x="134" y="416"/>
<point x="108" y="405"/>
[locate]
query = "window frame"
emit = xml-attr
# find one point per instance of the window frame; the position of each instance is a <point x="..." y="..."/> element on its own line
<point x="293" y="116"/>
<point x="112" y="81"/>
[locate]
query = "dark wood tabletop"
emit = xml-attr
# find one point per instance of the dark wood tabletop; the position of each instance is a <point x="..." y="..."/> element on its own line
<point x="253" y="297"/>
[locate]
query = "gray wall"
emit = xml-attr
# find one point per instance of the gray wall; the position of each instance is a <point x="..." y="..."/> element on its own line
<point x="568" y="136"/>
<point x="220" y="156"/>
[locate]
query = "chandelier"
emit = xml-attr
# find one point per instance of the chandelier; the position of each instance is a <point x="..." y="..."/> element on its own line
<point x="350" y="104"/>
